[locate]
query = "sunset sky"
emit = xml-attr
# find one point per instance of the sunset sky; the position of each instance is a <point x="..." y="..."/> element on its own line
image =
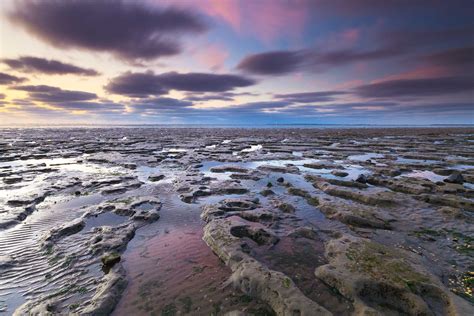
<point x="237" y="62"/>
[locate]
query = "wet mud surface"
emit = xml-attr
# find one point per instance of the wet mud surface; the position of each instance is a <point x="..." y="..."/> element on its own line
<point x="237" y="221"/>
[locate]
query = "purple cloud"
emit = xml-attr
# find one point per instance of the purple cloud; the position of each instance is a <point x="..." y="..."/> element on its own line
<point x="416" y="87"/>
<point x="137" y="85"/>
<point x="9" y="79"/>
<point x="129" y="30"/>
<point x="273" y="63"/>
<point x="309" y="97"/>
<point x="41" y="65"/>
<point x="284" y="62"/>
<point x="456" y="57"/>
<point x="161" y="103"/>
<point x="146" y="84"/>
<point x="51" y="94"/>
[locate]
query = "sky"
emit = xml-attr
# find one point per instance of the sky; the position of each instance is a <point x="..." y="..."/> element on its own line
<point x="251" y="62"/>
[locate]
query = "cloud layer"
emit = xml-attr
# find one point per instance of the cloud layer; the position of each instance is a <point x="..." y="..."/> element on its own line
<point x="129" y="30"/>
<point x="49" y="94"/>
<point x="6" y="79"/>
<point x="46" y="66"/>
<point x="146" y="84"/>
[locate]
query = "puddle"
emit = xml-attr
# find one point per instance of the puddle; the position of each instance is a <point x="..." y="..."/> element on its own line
<point x="365" y="157"/>
<point x="252" y="148"/>
<point x="353" y="170"/>
<point x="415" y="161"/>
<point x="424" y="174"/>
<point x="462" y="167"/>
<point x="104" y="219"/>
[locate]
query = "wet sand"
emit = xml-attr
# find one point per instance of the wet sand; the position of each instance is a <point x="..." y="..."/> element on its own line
<point x="228" y="221"/>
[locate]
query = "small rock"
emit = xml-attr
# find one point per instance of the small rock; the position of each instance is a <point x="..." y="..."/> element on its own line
<point x="286" y="208"/>
<point x="362" y="178"/>
<point x="109" y="259"/>
<point x="455" y="177"/>
<point x="12" y="179"/>
<point x="280" y="180"/>
<point x="267" y="192"/>
<point x="155" y="178"/>
<point x="339" y="173"/>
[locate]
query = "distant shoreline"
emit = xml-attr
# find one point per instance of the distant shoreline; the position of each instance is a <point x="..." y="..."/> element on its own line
<point x="244" y="126"/>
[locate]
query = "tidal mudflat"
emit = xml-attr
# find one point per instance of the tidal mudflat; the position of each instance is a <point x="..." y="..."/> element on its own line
<point x="191" y="221"/>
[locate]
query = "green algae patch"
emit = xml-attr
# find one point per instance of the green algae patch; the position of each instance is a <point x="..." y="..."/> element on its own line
<point x="382" y="263"/>
<point x="298" y="192"/>
<point x="109" y="259"/>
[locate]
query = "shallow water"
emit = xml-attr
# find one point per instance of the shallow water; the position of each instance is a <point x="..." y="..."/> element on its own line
<point x="425" y="174"/>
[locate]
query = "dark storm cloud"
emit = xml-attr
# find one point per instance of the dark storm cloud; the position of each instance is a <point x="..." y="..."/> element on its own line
<point x="51" y="94"/>
<point x="309" y="97"/>
<point x="284" y="62"/>
<point x="146" y="84"/>
<point x="9" y="79"/>
<point x="273" y="63"/>
<point x="416" y="87"/>
<point x="41" y="65"/>
<point x="130" y="30"/>
<point x="456" y="57"/>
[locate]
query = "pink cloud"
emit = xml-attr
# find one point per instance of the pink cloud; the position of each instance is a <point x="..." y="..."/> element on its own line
<point x="349" y="84"/>
<point x="265" y="19"/>
<point x="417" y="73"/>
<point x="271" y="19"/>
<point x="213" y="56"/>
<point x="227" y="10"/>
<point x="351" y="36"/>
<point x="340" y="40"/>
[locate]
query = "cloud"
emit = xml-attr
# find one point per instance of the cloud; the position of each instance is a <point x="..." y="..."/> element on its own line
<point x="343" y="8"/>
<point x="51" y="94"/>
<point x="263" y="19"/>
<point x="160" y="104"/>
<point x="454" y="58"/>
<point x="203" y="82"/>
<point x="416" y="87"/>
<point x="212" y="56"/>
<point x="41" y="65"/>
<point x="416" y="39"/>
<point x="272" y="63"/>
<point x="96" y="107"/>
<point x="146" y="84"/>
<point x="223" y="96"/>
<point x="261" y="105"/>
<point x="129" y="30"/>
<point x="136" y="85"/>
<point x="9" y="79"/>
<point x="309" y="97"/>
<point x="284" y="62"/>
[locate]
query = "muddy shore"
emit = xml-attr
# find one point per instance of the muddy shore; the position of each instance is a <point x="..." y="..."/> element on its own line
<point x="195" y="221"/>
